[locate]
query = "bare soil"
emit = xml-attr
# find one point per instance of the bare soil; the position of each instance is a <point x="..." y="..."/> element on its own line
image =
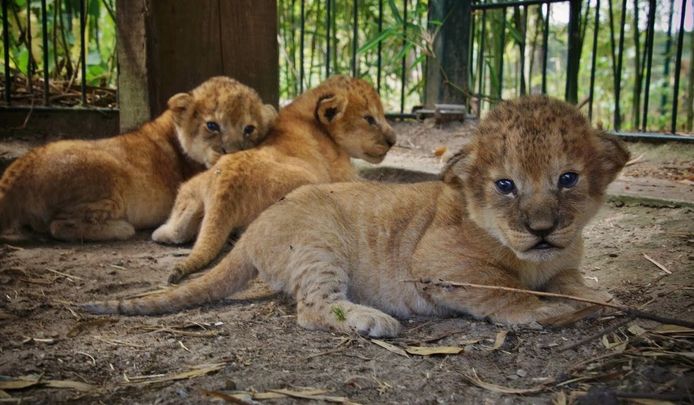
<point x="250" y="343"/>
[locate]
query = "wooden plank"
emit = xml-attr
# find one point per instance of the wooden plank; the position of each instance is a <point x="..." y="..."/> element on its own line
<point x="172" y="46"/>
<point x="133" y="91"/>
<point x="41" y="122"/>
<point x="250" y="51"/>
<point x="447" y="72"/>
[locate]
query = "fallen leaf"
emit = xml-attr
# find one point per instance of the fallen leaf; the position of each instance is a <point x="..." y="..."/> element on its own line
<point x="636" y="330"/>
<point x="500" y="339"/>
<point x="433" y="350"/>
<point x="77" y="385"/>
<point x="439" y="151"/>
<point x="30" y="381"/>
<point x="474" y="379"/>
<point x="667" y="329"/>
<point x="390" y="347"/>
<point x="314" y="397"/>
<point x="197" y="371"/>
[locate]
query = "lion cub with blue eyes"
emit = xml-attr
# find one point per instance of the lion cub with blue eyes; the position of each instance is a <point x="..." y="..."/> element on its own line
<point x="509" y="211"/>
<point x="106" y="189"/>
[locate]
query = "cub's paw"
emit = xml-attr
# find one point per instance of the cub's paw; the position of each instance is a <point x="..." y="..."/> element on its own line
<point x="369" y="321"/>
<point x="176" y="276"/>
<point x="164" y="234"/>
<point x="538" y="313"/>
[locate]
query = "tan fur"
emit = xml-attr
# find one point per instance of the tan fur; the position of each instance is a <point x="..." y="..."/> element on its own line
<point x="312" y="142"/>
<point x="344" y="250"/>
<point x="105" y="189"/>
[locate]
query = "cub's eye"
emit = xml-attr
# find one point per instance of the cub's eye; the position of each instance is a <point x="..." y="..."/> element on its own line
<point x="248" y="129"/>
<point x="505" y="186"/>
<point x="213" y="126"/>
<point x="370" y="119"/>
<point x="568" y="180"/>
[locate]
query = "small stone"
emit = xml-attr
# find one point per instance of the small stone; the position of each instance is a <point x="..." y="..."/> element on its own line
<point x="230" y="385"/>
<point x="521" y="373"/>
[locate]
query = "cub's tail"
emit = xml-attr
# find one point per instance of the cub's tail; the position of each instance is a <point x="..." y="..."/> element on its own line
<point x="229" y="276"/>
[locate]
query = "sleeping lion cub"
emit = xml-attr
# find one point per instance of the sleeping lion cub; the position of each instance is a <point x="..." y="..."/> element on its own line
<point x="311" y="142"/>
<point x="509" y="212"/>
<point x="106" y="189"/>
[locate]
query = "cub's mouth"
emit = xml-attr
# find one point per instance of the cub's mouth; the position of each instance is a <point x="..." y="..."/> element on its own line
<point x="543" y="245"/>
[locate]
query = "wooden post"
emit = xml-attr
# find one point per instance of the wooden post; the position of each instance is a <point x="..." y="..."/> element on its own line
<point x="166" y="47"/>
<point x="448" y="69"/>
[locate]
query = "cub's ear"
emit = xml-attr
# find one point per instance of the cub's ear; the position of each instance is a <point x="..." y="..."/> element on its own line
<point x="457" y="168"/>
<point x="612" y="154"/>
<point x="330" y="108"/>
<point x="180" y="102"/>
<point x="269" y="115"/>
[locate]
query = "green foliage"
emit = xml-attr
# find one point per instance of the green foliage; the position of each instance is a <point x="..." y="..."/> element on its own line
<point x="63" y="31"/>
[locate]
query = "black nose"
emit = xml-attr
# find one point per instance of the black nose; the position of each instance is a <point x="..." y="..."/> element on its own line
<point x="541" y="230"/>
<point x="390" y="142"/>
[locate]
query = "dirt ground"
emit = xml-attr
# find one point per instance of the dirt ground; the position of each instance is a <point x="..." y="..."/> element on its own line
<point x="250" y="345"/>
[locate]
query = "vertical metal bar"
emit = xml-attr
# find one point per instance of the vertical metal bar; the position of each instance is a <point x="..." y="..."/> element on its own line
<point x="501" y="54"/>
<point x="30" y="59"/>
<point x="678" y="64"/>
<point x="524" y="17"/>
<point x="480" y="63"/>
<point x="666" y="54"/>
<point x="44" y="35"/>
<point x="328" y="10"/>
<point x="573" y="52"/>
<point x="6" y="47"/>
<point x="545" y="37"/>
<point x="380" y="47"/>
<point x="355" y="36"/>
<point x="470" y="58"/>
<point x="618" y="79"/>
<point x="83" y="53"/>
<point x="649" y="48"/>
<point x="593" y="60"/>
<point x="301" y="46"/>
<point x="404" y="58"/>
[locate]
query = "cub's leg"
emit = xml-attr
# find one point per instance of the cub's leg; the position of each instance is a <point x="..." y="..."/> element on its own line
<point x="321" y="295"/>
<point x="96" y="221"/>
<point x="499" y="306"/>
<point x="235" y="199"/>
<point x="186" y="215"/>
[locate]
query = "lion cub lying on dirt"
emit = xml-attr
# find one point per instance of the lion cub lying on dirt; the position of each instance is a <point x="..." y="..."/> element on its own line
<point x="105" y="189"/>
<point x="312" y="142"/>
<point x="509" y="212"/>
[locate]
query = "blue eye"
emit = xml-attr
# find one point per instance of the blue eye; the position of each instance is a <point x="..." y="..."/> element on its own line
<point x="505" y="186"/>
<point x="568" y="180"/>
<point x="212" y="126"/>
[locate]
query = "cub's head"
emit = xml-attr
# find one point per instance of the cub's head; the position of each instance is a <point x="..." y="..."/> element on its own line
<point x="534" y="174"/>
<point x="351" y="112"/>
<point x="220" y="116"/>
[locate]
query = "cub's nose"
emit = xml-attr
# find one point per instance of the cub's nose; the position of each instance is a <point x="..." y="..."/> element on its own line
<point x="541" y="229"/>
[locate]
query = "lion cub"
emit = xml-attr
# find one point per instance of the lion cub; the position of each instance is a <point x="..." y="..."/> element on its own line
<point x="509" y="212"/>
<point x="106" y="189"/>
<point x="311" y="142"/>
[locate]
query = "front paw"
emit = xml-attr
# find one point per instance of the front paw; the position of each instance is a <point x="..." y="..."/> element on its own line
<point x="525" y="314"/>
<point x="371" y="322"/>
<point x="165" y="235"/>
